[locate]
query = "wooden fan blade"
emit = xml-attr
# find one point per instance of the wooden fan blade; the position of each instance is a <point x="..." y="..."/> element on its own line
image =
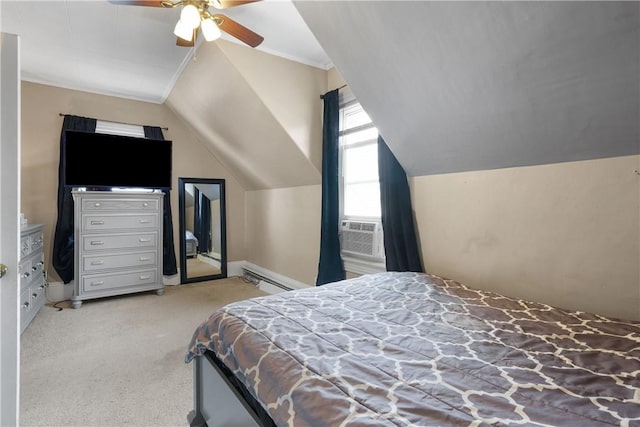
<point x="226" y="4"/>
<point x="187" y="43"/>
<point x="238" y="31"/>
<point x="151" y="3"/>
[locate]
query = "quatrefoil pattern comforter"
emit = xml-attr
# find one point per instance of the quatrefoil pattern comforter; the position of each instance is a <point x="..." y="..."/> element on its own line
<point x="410" y="349"/>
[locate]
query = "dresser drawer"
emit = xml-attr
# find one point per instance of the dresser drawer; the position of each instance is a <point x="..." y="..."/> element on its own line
<point x="37" y="268"/>
<point x="24" y="272"/>
<point x="25" y="307"/>
<point x="37" y="295"/>
<point x="25" y="246"/>
<point x="31" y="301"/>
<point x="120" y="260"/>
<point x="109" y="222"/>
<point x="36" y="240"/>
<point x="31" y="269"/>
<point x="96" y="205"/>
<point x="120" y="241"/>
<point x="111" y="281"/>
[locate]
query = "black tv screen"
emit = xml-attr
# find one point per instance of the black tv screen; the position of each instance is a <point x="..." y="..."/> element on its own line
<point x="95" y="160"/>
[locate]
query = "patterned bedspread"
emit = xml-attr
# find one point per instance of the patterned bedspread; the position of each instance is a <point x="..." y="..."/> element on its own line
<point x="410" y="349"/>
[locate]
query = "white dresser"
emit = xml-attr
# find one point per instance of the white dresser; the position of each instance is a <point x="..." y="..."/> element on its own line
<point x="31" y="272"/>
<point x="118" y="243"/>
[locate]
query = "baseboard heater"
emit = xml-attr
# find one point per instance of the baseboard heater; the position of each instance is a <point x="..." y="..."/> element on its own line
<point x="264" y="283"/>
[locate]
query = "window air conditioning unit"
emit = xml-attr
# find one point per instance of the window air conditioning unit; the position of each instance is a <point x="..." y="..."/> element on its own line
<point x="360" y="238"/>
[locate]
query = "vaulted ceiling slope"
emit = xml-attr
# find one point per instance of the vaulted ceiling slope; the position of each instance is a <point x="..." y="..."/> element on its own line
<point x="262" y="121"/>
<point x="458" y="86"/>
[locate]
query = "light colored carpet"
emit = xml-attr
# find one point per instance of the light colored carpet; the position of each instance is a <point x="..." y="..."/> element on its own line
<point x="118" y="361"/>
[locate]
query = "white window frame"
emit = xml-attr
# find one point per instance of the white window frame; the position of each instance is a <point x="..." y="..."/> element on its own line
<point x="122" y="129"/>
<point x="353" y="263"/>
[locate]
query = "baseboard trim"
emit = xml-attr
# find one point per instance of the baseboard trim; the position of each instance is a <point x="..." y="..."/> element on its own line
<point x="274" y="278"/>
<point x="173" y="280"/>
<point x="234" y="268"/>
<point x="58" y="291"/>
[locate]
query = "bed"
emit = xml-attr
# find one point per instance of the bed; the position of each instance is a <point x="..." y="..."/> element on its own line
<point x="412" y="349"/>
<point x="191" y="244"/>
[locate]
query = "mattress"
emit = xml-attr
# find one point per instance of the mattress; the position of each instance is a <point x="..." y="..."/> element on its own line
<point x="411" y="349"/>
<point x="191" y="243"/>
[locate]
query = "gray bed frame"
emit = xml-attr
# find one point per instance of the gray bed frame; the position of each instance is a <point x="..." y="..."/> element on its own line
<point x="216" y="401"/>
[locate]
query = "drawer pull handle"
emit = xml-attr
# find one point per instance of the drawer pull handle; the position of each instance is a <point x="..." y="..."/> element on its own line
<point x="145" y="204"/>
<point x="34" y="268"/>
<point x="100" y="283"/>
<point x="144" y="258"/>
<point x="97" y="222"/>
<point x="145" y="277"/>
<point x="41" y="287"/>
<point x="144" y="240"/>
<point x="144" y="221"/>
<point x="97" y="262"/>
<point x="97" y="242"/>
<point x="25" y="275"/>
<point x="97" y="205"/>
<point x="25" y="305"/>
<point x="34" y="296"/>
<point x="40" y="263"/>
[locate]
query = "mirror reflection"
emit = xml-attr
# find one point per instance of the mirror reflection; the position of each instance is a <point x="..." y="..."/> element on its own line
<point x="202" y="229"/>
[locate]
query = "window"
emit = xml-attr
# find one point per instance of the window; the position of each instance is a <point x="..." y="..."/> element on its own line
<point x="123" y="129"/>
<point x="359" y="164"/>
<point x="361" y="228"/>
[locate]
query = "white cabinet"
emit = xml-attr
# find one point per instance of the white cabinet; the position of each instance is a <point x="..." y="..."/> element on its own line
<point x="118" y="243"/>
<point x="31" y="272"/>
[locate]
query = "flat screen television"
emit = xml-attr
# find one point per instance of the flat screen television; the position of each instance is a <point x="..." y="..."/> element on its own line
<point x="101" y="161"/>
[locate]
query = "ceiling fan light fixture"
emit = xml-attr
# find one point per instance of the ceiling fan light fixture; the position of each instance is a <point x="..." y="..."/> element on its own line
<point x="183" y="31"/>
<point x="190" y="16"/>
<point x="210" y="30"/>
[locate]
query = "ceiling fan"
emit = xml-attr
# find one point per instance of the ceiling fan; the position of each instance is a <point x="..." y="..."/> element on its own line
<point x="195" y="15"/>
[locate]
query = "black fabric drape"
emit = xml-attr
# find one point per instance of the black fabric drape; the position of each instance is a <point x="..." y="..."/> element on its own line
<point x="169" y="266"/>
<point x="400" y="242"/>
<point x="330" y="266"/>
<point x="196" y="215"/>
<point x="62" y="259"/>
<point x="204" y="224"/>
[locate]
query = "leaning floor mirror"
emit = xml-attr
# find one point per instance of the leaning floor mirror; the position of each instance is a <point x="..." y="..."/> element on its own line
<point x="203" y="240"/>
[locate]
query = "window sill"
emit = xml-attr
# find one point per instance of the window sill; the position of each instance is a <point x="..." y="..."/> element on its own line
<point x="362" y="266"/>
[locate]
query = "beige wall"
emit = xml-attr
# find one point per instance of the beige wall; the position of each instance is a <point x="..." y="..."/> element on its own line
<point x="41" y="126"/>
<point x="283" y="231"/>
<point x="565" y="234"/>
<point x="283" y="225"/>
<point x="290" y="90"/>
<point x="334" y="79"/>
<point x="239" y="116"/>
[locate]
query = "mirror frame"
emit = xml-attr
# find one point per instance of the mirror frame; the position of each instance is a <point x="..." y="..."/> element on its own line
<point x="223" y="230"/>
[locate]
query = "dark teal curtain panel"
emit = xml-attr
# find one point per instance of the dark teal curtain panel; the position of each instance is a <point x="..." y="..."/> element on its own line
<point x="62" y="260"/>
<point x="169" y="265"/>
<point x="400" y="242"/>
<point x="330" y="267"/>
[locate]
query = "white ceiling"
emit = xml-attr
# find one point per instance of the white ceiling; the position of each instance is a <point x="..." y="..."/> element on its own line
<point x="130" y="51"/>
